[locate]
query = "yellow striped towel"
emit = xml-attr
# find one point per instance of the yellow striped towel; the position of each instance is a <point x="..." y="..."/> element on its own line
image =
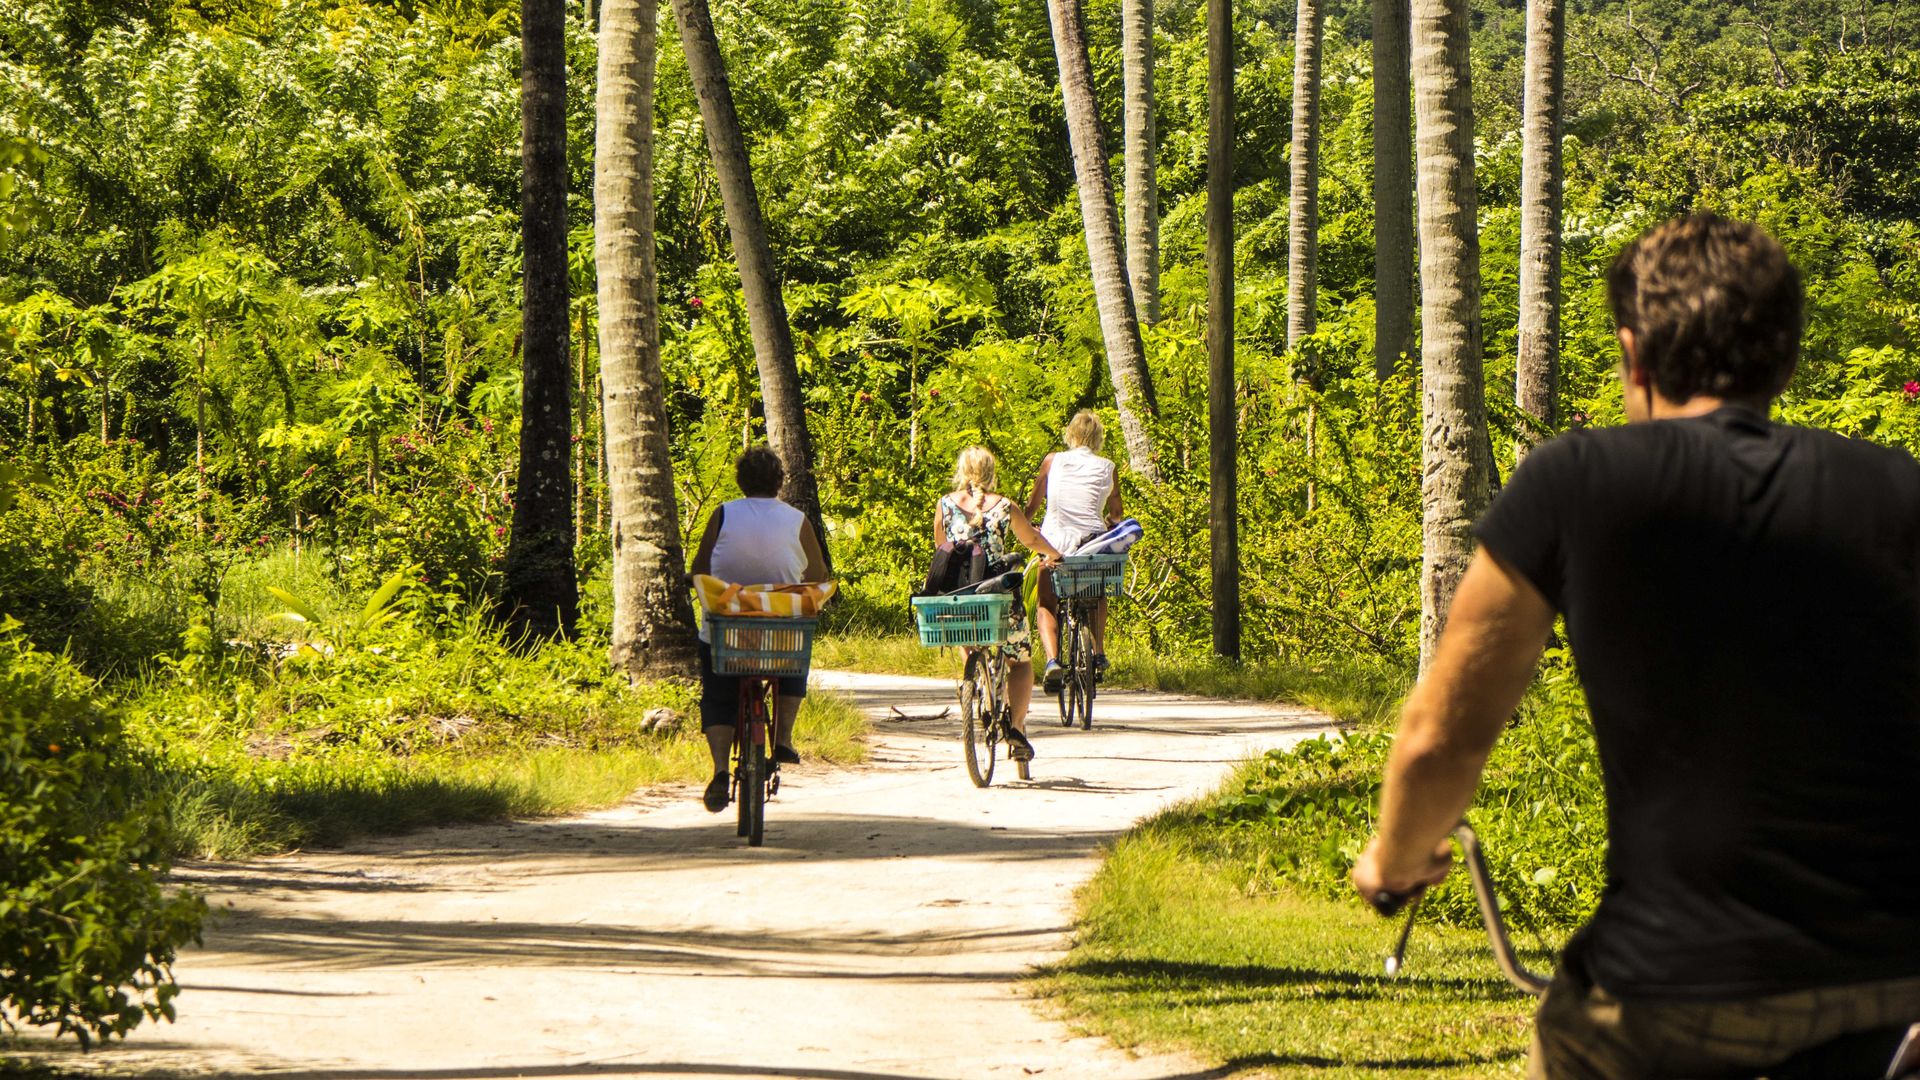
<point x="802" y="601"/>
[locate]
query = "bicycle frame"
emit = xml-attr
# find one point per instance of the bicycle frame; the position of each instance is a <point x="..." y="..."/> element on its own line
<point x="986" y="671"/>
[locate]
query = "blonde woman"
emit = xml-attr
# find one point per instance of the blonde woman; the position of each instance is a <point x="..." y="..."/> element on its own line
<point x="975" y="512"/>
<point x="1081" y="494"/>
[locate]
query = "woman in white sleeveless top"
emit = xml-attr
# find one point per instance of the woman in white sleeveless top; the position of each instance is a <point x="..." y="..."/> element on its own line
<point x="1081" y="494"/>
<point x="755" y="540"/>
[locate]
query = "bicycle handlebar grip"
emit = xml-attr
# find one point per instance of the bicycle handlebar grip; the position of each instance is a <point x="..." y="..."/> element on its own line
<point x="1389" y="903"/>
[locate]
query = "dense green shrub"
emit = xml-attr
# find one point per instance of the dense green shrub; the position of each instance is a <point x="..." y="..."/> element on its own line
<point x="1302" y="815"/>
<point x="87" y="931"/>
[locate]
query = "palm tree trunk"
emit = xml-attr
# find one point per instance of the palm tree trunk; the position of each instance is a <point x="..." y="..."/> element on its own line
<point x="1223" y="435"/>
<point x="652" y="617"/>
<point x="1143" y="197"/>
<point x="1392" y="186"/>
<point x="1303" y="208"/>
<point x="766" y="308"/>
<point x="1119" y="324"/>
<point x="1456" y="463"/>
<point x="1537" y="380"/>
<point x="539" y="590"/>
<point x="199" y="437"/>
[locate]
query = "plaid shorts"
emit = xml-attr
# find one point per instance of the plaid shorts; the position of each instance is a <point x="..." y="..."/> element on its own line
<point x="1584" y="1033"/>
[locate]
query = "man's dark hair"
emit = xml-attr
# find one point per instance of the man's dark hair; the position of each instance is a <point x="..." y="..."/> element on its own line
<point x="1715" y="307"/>
<point x="759" y="473"/>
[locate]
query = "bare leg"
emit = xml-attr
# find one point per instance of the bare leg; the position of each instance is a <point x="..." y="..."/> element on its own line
<point x="1100" y="628"/>
<point x="783" y="724"/>
<point x="1048" y="619"/>
<point x="1020" y="692"/>
<point x="720" y="744"/>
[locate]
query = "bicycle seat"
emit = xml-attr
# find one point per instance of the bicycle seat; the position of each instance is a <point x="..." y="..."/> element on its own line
<point x="999" y="583"/>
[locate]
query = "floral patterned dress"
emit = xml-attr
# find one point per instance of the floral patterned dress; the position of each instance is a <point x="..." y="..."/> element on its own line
<point x="992" y="529"/>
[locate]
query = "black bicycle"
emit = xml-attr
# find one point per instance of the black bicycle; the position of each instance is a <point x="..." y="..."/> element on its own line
<point x="1082" y="582"/>
<point x="980" y="622"/>
<point x="1843" y="1056"/>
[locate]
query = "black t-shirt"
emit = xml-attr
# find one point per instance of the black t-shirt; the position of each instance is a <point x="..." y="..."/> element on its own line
<point x="1743" y="603"/>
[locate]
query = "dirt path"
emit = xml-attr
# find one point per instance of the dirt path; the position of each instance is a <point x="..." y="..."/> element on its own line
<point x="880" y="934"/>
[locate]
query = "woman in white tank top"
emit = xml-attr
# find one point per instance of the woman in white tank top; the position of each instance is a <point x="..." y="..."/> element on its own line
<point x="1081" y="493"/>
<point x="754" y="540"/>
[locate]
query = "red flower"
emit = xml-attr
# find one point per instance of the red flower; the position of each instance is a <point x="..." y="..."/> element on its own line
<point x="694" y="303"/>
<point x="1912" y="390"/>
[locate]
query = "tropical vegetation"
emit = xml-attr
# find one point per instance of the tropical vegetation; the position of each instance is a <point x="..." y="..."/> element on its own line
<point x="351" y="443"/>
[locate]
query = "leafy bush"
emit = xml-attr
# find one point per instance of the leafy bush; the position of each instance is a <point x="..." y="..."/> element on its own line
<point x="87" y="933"/>
<point x="1300" y="816"/>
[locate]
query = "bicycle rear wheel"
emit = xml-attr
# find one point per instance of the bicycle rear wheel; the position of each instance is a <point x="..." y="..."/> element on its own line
<point x="1079" y="685"/>
<point x="977" y="725"/>
<point x="751" y="764"/>
<point x="753" y="797"/>
<point x="1069" y="628"/>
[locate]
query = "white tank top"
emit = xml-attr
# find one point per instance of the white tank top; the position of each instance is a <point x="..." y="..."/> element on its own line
<point x="759" y="544"/>
<point x="1078" y="484"/>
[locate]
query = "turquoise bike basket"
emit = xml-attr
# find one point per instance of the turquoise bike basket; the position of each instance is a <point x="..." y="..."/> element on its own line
<point x="1084" y="577"/>
<point x="972" y="619"/>
<point x="760" y="644"/>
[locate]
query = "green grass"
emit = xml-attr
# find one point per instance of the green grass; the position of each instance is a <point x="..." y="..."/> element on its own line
<point x="1172" y="952"/>
<point x="1359" y="693"/>
<point x="229" y="805"/>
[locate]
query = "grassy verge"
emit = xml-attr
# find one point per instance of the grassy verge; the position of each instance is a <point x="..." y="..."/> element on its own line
<point x="237" y="809"/>
<point x="1362" y="694"/>
<point x="1173" y="952"/>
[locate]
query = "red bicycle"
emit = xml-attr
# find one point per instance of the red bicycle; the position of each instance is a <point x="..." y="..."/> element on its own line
<point x="762" y="648"/>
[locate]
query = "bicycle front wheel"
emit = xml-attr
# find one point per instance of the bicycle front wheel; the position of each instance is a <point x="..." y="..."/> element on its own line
<point x="977" y="724"/>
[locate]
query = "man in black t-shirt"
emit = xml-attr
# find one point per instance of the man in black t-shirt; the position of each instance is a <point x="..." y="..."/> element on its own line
<point x="1743" y="602"/>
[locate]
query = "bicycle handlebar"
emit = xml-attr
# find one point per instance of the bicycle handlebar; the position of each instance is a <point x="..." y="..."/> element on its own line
<point x="1387" y="903"/>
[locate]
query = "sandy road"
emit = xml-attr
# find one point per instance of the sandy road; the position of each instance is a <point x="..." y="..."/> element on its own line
<point x="879" y="934"/>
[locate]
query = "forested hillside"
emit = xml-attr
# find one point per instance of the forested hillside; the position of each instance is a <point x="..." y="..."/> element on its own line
<point x="268" y="293"/>
<point x="260" y="330"/>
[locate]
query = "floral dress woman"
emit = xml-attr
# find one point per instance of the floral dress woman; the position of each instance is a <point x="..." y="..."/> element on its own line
<point x="992" y="529"/>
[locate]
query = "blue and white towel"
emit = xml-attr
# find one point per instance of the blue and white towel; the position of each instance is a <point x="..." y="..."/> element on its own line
<point x="1114" y="540"/>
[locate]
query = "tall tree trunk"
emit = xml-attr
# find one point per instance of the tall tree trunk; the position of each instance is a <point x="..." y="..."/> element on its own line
<point x="1143" y="196"/>
<point x="652" y="616"/>
<point x="199" y="437"/>
<point x="539" y="589"/>
<point x="1392" y="186"/>
<point x="1537" y="380"/>
<point x="1223" y="435"/>
<point x="1303" y="210"/>
<point x="766" y="308"/>
<point x="1303" y="204"/>
<point x="1456" y="463"/>
<point x="1119" y="323"/>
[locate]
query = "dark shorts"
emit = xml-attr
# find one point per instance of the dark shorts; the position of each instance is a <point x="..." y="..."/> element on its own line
<point x="1584" y="1033"/>
<point x="720" y="694"/>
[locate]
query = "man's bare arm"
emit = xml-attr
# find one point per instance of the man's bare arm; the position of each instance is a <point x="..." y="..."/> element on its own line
<point x="1495" y="631"/>
<point x="1039" y="493"/>
<point x="816" y="555"/>
<point x="703" y="555"/>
